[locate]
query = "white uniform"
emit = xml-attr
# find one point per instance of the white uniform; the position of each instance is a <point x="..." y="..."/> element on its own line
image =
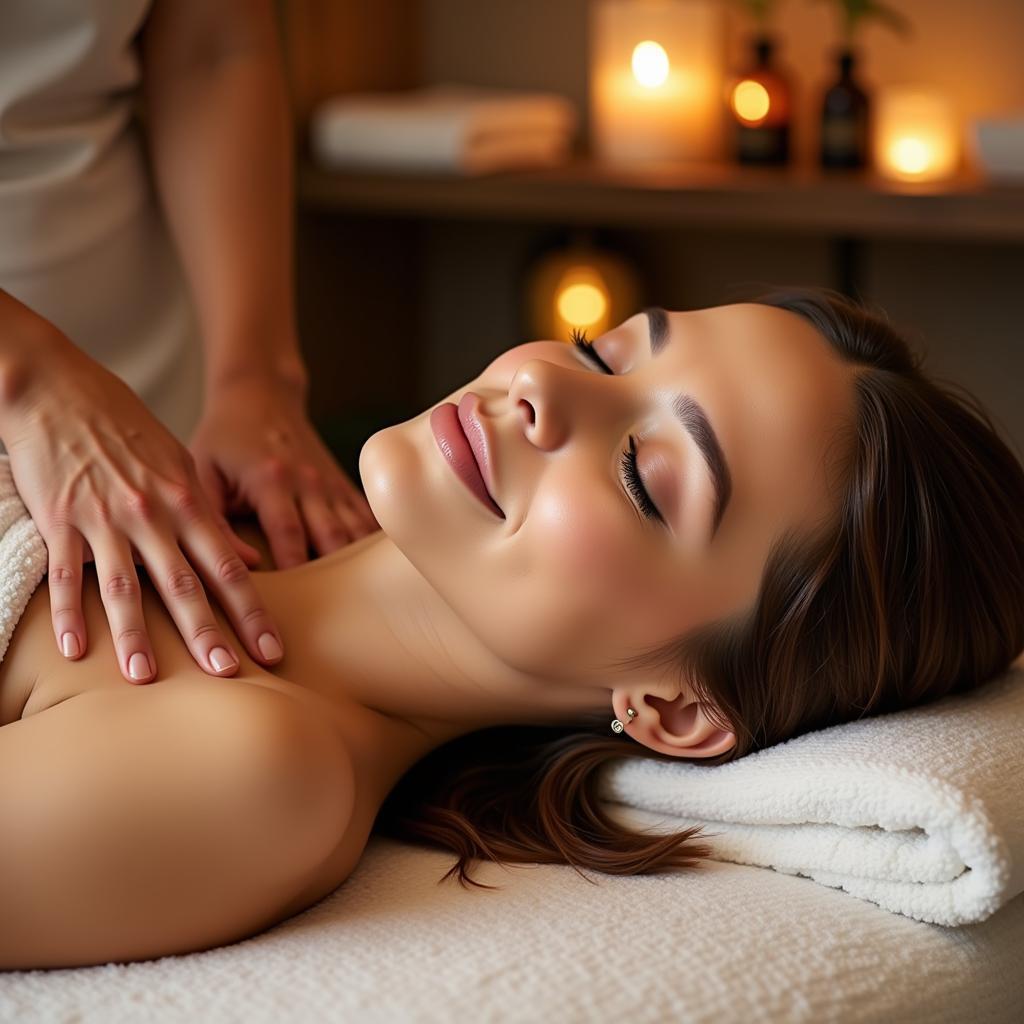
<point x="82" y="241"/>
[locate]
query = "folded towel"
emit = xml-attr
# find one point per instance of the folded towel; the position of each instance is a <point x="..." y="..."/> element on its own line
<point x="920" y="811"/>
<point x="443" y="128"/>
<point x="23" y="556"/>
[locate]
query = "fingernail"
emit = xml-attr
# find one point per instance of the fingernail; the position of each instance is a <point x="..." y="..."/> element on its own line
<point x="69" y="645"/>
<point x="269" y="647"/>
<point x="138" y="666"/>
<point x="220" y="659"/>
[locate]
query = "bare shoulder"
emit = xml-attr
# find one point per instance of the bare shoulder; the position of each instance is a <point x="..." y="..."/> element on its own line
<point x="179" y="816"/>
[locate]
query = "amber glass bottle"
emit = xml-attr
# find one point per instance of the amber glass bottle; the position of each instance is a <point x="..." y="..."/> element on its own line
<point x="845" y="120"/>
<point x="762" y="104"/>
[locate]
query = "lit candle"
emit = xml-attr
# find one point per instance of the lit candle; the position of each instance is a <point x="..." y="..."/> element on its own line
<point x="916" y="135"/>
<point x="580" y="287"/>
<point x="656" y="74"/>
<point x="582" y="300"/>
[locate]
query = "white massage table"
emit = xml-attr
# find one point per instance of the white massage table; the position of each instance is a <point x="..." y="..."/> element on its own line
<point x="726" y="943"/>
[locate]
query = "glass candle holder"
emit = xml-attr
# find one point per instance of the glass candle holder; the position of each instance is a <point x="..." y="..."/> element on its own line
<point x="917" y="137"/>
<point x="656" y="76"/>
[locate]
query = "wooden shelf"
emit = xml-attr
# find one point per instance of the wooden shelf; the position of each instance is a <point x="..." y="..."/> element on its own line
<point x="845" y="204"/>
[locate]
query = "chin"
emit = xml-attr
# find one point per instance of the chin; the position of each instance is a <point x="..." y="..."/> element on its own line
<point x="388" y="467"/>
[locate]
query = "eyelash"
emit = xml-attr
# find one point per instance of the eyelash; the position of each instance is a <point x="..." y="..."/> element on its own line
<point x="630" y="471"/>
<point x="580" y="340"/>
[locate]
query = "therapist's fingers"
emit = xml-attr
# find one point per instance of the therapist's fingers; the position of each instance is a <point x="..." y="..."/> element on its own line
<point x="348" y="497"/>
<point x="228" y="578"/>
<point x="64" y="548"/>
<point x="278" y="515"/>
<point x="213" y="487"/>
<point x="244" y="549"/>
<point x="212" y="484"/>
<point x="358" y="524"/>
<point x="182" y="592"/>
<point x="122" y="602"/>
<point x="328" y="528"/>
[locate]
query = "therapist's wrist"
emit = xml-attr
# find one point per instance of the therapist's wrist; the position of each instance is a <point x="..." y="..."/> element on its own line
<point x="30" y="349"/>
<point x="287" y="380"/>
<point x="256" y="357"/>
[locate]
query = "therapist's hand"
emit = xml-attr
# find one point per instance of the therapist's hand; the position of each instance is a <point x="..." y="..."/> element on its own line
<point x="256" y="451"/>
<point x="98" y="472"/>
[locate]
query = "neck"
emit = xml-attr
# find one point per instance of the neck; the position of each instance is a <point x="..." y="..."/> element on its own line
<point x="363" y="627"/>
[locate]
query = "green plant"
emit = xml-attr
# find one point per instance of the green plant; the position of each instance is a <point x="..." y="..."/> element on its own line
<point x="854" y="12"/>
<point x="760" y="10"/>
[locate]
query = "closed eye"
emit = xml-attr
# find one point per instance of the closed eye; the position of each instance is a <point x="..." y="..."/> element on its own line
<point x="641" y="497"/>
<point x="584" y="345"/>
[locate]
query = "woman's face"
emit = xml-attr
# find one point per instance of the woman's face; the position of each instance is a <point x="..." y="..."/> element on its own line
<point x="587" y="563"/>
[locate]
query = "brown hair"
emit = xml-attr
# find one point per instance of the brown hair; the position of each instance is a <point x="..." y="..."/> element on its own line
<point x="914" y="590"/>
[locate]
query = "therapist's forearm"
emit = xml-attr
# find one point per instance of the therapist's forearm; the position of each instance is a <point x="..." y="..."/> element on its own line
<point x="28" y="342"/>
<point x="220" y="137"/>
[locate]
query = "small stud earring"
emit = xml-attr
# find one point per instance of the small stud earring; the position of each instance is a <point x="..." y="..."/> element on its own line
<point x="618" y="726"/>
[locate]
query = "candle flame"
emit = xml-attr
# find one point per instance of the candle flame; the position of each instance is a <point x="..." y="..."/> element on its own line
<point x="650" y="64"/>
<point x="582" y="304"/>
<point x="911" y="156"/>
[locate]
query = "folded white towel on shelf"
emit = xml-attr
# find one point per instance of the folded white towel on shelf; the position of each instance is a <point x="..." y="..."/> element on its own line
<point x="450" y="128"/>
<point x="920" y="811"/>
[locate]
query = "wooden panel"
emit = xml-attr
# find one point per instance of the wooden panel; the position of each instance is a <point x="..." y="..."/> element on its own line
<point x="356" y="296"/>
<point x="336" y="46"/>
<point x="728" y="196"/>
<point x="358" y="303"/>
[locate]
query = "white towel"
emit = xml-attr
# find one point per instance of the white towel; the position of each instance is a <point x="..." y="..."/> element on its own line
<point x="23" y="556"/>
<point x="450" y="128"/>
<point x="920" y="811"/>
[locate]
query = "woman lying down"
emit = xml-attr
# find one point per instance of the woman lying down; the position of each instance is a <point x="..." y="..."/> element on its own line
<point x="695" y="536"/>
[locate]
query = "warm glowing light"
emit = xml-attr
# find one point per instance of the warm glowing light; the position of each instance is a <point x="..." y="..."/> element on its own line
<point x="917" y="135"/>
<point x="750" y="101"/>
<point x="656" y="80"/>
<point x="650" y="64"/>
<point x="579" y="286"/>
<point x="582" y="304"/>
<point x="911" y="156"/>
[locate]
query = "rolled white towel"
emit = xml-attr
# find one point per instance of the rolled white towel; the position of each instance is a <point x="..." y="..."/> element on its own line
<point x="920" y="811"/>
<point x="450" y="128"/>
<point x="23" y="556"/>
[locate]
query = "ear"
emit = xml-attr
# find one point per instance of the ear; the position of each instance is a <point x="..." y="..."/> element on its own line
<point x="678" y="726"/>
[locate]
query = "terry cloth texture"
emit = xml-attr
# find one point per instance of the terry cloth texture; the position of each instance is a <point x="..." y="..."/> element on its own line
<point x="920" y="811"/>
<point x="722" y="943"/>
<point x="23" y="556"/>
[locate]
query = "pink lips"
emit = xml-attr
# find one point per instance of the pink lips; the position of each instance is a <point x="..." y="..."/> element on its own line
<point x="463" y="444"/>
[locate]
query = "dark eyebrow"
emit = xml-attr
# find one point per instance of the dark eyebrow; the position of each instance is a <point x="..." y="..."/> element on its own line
<point x="657" y="322"/>
<point x="696" y="423"/>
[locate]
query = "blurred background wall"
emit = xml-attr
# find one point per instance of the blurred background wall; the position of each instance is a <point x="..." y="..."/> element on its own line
<point x="397" y="311"/>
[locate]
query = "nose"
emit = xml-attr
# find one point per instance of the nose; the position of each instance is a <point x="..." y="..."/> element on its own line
<point x="544" y="396"/>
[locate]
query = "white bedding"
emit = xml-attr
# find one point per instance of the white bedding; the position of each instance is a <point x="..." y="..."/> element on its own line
<point x="727" y="943"/>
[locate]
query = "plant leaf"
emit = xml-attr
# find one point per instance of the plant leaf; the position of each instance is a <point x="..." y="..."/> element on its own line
<point x="853" y="12"/>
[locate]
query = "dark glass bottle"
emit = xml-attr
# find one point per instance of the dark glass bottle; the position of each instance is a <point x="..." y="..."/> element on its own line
<point x="845" y="120"/>
<point x="762" y="106"/>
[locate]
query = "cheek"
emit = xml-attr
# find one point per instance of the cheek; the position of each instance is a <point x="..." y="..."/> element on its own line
<point x="576" y="575"/>
<point x="580" y="541"/>
<point x="601" y="579"/>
